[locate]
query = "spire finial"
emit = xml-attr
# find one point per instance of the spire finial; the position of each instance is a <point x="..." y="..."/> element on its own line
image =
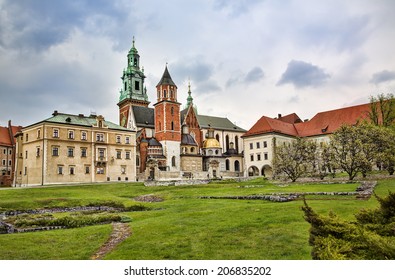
<point x="133" y="41"/>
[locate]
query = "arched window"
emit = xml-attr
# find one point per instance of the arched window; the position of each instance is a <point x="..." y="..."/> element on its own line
<point x="217" y="137"/>
<point x="237" y="165"/>
<point x="173" y="161"/>
<point x="227" y="142"/>
<point x="227" y="164"/>
<point x="164" y="94"/>
<point x="237" y="143"/>
<point x="126" y="85"/>
<point x="192" y="149"/>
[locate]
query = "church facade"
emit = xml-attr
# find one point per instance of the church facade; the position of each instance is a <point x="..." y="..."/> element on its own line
<point x="176" y="143"/>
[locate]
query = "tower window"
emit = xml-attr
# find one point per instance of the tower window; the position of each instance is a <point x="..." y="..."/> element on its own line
<point x="126" y="85"/>
<point x="172" y="125"/>
<point x="164" y="94"/>
<point x="172" y="111"/>
<point x="135" y="62"/>
<point x="173" y="161"/>
<point x="136" y="85"/>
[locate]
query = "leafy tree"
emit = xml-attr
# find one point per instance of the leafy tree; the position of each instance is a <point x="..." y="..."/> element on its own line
<point x="371" y="236"/>
<point x="291" y="159"/>
<point x="347" y="151"/>
<point x="382" y="109"/>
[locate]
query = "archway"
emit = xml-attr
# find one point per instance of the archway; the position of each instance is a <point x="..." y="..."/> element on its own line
<point x="267" y="171"/>
<point x="253" y="171"/>
<point x="237" y="166"/>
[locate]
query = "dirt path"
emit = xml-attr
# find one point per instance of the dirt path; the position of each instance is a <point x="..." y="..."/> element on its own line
<point x="120" y="231"/>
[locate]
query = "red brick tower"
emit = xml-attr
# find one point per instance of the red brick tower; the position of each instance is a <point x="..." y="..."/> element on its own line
<point x="167" y="120"/>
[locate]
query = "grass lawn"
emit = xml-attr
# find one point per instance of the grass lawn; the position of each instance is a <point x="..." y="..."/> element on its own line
<point x="183" y="226"/>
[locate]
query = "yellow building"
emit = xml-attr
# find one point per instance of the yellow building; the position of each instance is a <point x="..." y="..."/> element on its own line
<point x="66" y="149"/>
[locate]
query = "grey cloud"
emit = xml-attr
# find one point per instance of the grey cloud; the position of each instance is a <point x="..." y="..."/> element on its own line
<point x="383" y="76"/>
<point x="302" y="74"/>
<point x="342" y="34"/>
<point x="235" y="8"/>
<point x="254" y="75"/>
<point x="198" y="71"/>
<point x="37" y="25"/>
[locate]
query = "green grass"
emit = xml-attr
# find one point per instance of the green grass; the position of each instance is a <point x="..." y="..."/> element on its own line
<point x="183" y="226"/>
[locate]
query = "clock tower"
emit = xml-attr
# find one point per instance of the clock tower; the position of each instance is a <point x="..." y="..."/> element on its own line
<point x="133" y="92"/>
<point x="167" y="120"/>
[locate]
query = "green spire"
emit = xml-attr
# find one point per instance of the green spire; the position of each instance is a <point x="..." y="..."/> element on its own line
<point x="189" y="99"/>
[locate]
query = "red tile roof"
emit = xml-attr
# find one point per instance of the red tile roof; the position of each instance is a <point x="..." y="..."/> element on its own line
<point x="266" y="124"/>
<point x="291" y="118"/>
<point x="7" y="136"/>
<point x="321" y="124"/>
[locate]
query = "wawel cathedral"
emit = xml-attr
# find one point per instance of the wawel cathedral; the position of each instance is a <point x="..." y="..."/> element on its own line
<point x="172" y="142"/>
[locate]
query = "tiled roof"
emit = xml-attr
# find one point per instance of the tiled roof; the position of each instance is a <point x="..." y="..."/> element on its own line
<point x="5" y="139"/>
<point x="80" y="120"/>
<point x="144" y="116"/>
<point x="291" y="118"/>
<point x="321" y="124"/>
<point x="329" y="121"/>
<point x="7" y="135"/>
<point x="266" y="125"/>
<point x="218" y="123"/>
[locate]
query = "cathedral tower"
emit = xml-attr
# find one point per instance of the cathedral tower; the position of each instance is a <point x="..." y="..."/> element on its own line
<point x="133" y="91"/>
<point x="167" y="120"/>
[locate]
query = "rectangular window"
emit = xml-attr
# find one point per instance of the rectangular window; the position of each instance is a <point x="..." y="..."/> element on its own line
<point x="251" y="146"/>
<point x="25" y="171"/>
<point x="136" y="85"/>
<point x="10" y="152"/>
<point x="123" y="169"/>
<point x="119" y="154"/>
<point x="55" y="151"/>
<point x="55" y="133"/>
<point x="9" y="162"/>
<point x="72" y="170"/>
<point x="266" y="156"/>
<point x="252" y="157"/>
<point x="87" y="169"/>
<point x="100" y="170"/>
<point x="258" y="145"/>
<point x="27" y="137"/>
<point x="4" y="162"/>
<point x="258" y="156"/>
<point x="101" y="154"/>
<point x="5" y="151"/>
<point x="127" y="140"/>
<point x="25" y="154"/>
<point x="127" y="155"/>
<point x="83" y="152"/>
<point x="71" y="134"/>
<point x="38" y="133"/>
<point x="264" y="144"/>
<point x="118" y="139"/>
<point x="70" y="151"/>
<point x="100" y="137"/>
<point x="37" y="151"/>
<point x="83" y="135"/>
<point x="60" y="169"/>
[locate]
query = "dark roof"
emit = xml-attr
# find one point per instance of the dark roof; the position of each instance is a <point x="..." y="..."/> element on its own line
<point x="144" y="116"/>
<point x="80" y="120"/>
<point x="218" y="123"/>
<point x="187" y="139"/>
<point x="166" y="79"/>
<point x="154" y="142"/>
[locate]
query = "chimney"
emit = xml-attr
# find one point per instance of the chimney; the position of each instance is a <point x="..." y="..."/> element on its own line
<point x="279" y="116"/>
<point x="55" y="113"/>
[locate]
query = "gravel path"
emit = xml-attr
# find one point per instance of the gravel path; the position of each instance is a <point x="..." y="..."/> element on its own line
<point x="120" y="231"/>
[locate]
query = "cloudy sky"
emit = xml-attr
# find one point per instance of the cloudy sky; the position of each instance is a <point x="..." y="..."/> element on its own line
<point x="244" y="58"/>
